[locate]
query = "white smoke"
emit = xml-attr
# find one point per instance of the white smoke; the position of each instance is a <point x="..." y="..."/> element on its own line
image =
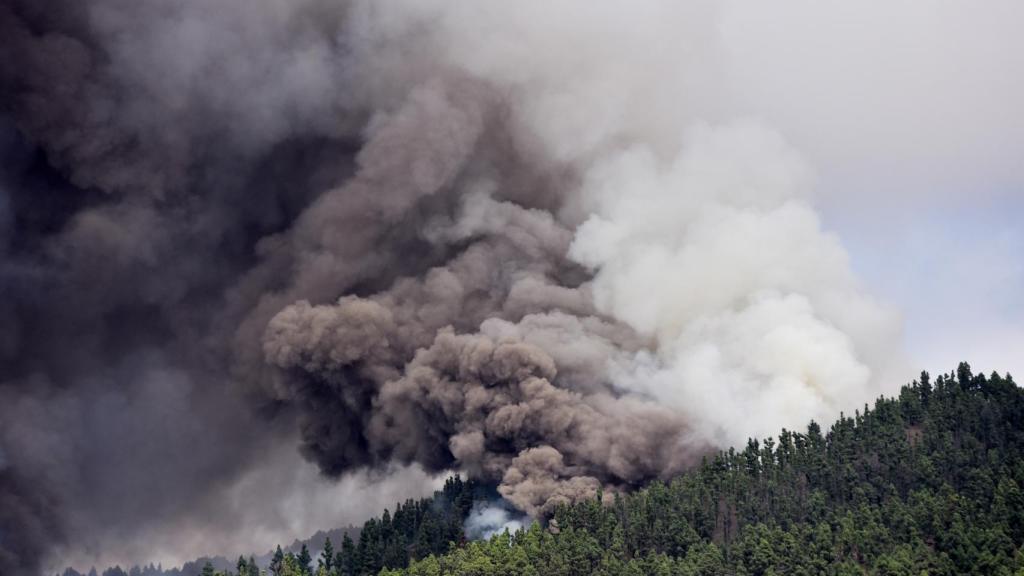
<point x="719" y="255"/>
<point x="489" y="518"/>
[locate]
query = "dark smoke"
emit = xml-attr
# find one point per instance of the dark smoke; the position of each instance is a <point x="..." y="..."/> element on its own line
<point x="138" y="175"/>
<point x="227" y="222"/>
<point x="176" y="177"/>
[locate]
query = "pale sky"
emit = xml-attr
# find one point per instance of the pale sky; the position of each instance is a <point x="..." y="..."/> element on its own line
<point x="954" y="269"/>
<point x="910" y="114"/>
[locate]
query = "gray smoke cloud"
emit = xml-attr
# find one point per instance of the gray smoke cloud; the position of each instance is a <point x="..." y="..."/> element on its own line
<point x="135" y="183"/>
<point x="556" y="300"/>
<point x="527" y="242"/>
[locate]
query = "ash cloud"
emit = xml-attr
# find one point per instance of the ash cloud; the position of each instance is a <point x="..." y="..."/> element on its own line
<point x="601" y="298"/>
<point x="135" y="184"/>
<point x="515" y="240"/>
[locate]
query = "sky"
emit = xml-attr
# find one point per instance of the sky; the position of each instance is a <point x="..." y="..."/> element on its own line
<point x="955" y="270"/>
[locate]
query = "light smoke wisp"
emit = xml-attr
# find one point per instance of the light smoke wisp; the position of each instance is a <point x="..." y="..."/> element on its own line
<point x="487" y="519"/>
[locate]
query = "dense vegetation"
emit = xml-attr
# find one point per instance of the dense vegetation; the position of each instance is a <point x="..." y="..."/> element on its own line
<point x="417" y="529"/>
<point x="927" y="483"/>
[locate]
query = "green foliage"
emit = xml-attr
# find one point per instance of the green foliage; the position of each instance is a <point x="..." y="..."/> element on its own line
<point x="326" y="560"/>
<point x="416" y="530"/>
<point x="303" y="560"/>
<point x="929" y="483"/>
<point x="277" y="562"/>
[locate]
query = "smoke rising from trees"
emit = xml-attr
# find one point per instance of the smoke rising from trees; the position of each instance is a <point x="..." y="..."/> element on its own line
<point x="517" y="240"/>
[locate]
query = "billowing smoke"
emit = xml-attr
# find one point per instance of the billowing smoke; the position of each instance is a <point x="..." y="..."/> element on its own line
<point x="504" y="238"/>
<point x="553" y="294"/>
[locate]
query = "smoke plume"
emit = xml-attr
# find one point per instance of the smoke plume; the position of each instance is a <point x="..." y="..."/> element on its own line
<point x="517" y="240"/>
<point x="487" y="519"/>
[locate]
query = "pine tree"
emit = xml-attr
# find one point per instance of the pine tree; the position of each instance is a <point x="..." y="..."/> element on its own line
<point x="277" y="562"/>
<point x="346" y="560"/>
<point x="326" y="560"/>
<point x="304" y="560"/>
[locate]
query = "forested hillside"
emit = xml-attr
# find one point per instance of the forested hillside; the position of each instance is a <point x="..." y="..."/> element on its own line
<point x="927" y="483"/>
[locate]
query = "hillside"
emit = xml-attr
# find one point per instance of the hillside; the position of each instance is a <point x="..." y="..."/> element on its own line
<point x="929" y="483"/>
<point x="926" y="483"/>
